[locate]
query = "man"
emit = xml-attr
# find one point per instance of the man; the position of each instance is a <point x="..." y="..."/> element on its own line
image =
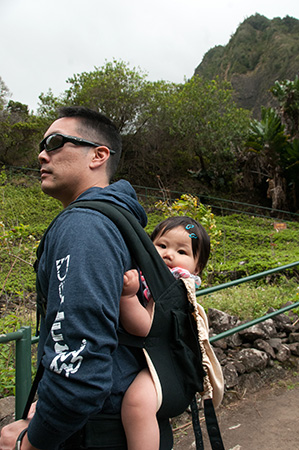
<point x="81" y="275"/>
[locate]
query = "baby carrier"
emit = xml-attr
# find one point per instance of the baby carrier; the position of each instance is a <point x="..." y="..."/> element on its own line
<point x="177" y="349"/>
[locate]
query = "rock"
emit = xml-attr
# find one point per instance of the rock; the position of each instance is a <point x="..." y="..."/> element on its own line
<point x="221" y="321"/>
<point x="263" y="330"/>
<point x="281" y="320"/>
<point x="240" y="367"/>
<point x="275" y="343"/>
<point x="234" y="340"/>
<point x="221" y="356"/>
<point x="251" y="382"/>
<point x="253" y="359"/>
<point x="7" y="406"/>
<point x="7" y="410"/>
<point x="249" y="357"/>
<point x="283" y="353"/>
<point x="269" y="327"/>
<point x="221" y="343"/>
<point x="230" y="375"/>
<point x="291" y="328"/>
<point x="260" y="344"/>
<point x="253" y="333"/>
<point x="294" y="348"/>
<point x="294" y="337"/>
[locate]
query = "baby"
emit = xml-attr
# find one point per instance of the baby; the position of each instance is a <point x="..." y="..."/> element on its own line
<point x="184" y="246"/>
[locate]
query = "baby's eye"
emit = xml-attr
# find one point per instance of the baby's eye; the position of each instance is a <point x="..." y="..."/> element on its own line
<point x="161" y="245"/>
<point x="182" y="252"/>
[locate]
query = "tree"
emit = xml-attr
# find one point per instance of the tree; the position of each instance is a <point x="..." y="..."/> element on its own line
<point x="113" y="89"/>
<point x="267" y="139"/>
<point x="136" y="106"/>
<point x="205" y="117"/>
<point x="287" y="93"/>
<point x="169" y="130"/>
<point x="19" y="135"/>
<point x="4" y="93"/>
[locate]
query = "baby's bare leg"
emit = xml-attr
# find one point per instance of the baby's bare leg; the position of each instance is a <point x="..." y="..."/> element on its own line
<point x="138" y="413"/>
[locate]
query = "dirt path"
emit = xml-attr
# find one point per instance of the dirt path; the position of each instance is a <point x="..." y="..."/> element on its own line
<point x="266" y="420"/>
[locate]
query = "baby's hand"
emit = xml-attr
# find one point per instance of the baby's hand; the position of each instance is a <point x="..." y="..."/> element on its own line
<point x="131" y="283"/>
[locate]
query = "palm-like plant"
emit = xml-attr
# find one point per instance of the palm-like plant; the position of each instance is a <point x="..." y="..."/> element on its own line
<point x="268" y="140"/>
<point x="287" y="93"/>
<point x="268" y="137"/>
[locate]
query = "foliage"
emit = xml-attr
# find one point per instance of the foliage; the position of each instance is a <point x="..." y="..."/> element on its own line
<point x="3" y="176"/>
<point x="207" y="121"/>
<point x="16" y="246"/>
<point x="19" y="134"/>
<point x="287" y="93"/>
<point x="292" y="154"/>
<point x="167" y="129"/>
<point x="22" y="201"/>
<point x="242" y="245"/>
<point x="251" y="245"/>
<point x="268" y="136"/>
<point x="18" y="242"/>
<point x="49" y="105"/>
<point x="4" y="93"/>
<point x="256" y="43"/>
<point x="113" y="89"/>
<point x="277" y="152"/>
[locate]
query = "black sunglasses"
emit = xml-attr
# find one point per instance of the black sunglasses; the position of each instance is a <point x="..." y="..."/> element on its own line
<point x="56" y="140"/>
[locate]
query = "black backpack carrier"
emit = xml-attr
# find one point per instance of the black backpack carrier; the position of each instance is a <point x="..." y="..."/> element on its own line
<point x="172" y="347"/>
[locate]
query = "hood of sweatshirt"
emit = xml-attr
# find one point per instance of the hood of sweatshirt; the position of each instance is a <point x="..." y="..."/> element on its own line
<point x="120" y="193"/>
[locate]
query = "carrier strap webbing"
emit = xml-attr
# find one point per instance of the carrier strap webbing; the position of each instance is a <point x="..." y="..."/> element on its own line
<point x="196" y="425"/>
<point x="212" y="425"/>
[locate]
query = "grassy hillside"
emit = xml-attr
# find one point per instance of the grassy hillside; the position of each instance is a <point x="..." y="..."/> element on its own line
<point x="247" y="245"/>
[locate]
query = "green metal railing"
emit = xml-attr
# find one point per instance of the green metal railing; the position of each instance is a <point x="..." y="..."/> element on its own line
<point x="23" y="336"/>
<point x="23" y="365"/>
<point x="244" y="280"/>
<point x="225" y="206"/>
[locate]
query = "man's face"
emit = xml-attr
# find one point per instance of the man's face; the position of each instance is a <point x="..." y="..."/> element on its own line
<point x="64" y="171"/>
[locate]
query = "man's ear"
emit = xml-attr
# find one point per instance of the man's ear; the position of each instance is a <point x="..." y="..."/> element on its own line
<point x="99" y="156"/>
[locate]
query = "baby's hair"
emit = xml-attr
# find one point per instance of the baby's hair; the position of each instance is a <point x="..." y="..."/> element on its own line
<point x="200" y="239"/>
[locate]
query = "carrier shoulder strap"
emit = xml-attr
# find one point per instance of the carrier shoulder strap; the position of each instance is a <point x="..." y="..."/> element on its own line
<point x="139" y="244"/>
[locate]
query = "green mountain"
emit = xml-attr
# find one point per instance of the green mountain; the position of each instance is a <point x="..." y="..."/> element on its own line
<point x="260" y="52"/>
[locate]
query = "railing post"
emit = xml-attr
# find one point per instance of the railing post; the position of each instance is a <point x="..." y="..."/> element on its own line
<point x="23" y="370"/>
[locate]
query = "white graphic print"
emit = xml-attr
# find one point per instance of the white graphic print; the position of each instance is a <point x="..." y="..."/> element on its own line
<point x="65" y="360"/>
<point x="58" y="364"/>
<point x="62" y="267"/>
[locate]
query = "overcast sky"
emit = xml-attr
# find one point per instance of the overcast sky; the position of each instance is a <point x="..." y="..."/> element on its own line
<point x="44" y="42"/>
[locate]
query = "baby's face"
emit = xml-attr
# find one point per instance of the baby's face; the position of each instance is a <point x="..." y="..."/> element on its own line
<point x="175" y="248"/>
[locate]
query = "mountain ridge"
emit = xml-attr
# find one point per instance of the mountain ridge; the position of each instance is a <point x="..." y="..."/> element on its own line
<point x="260" y="52"/>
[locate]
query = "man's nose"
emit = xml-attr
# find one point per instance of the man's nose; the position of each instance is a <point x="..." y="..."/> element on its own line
<point x="43" y="156"/>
